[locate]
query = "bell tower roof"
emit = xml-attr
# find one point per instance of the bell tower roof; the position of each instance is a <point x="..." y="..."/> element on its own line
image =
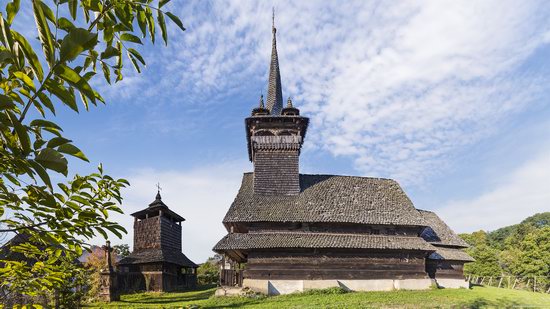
<point x="156" y="208"/>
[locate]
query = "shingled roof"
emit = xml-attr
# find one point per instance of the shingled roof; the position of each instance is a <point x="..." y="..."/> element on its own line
<point x="154" y="208"/>
<point x="450" y="254"/>
<point x="328" y="198"/>
<point x="267" y="240"/>
<point x="157" y="255"/>
<point x="438" y="232"/>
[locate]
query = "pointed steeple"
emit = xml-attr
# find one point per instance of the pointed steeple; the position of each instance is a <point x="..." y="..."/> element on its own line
<point x="274" y="89"/>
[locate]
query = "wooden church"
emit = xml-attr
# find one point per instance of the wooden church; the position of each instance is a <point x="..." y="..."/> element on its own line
<point x="291" y="232"/>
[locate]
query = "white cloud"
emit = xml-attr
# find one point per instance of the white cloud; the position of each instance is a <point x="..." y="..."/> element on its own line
<point x="520" y="194"/>
<point x="202" y="196"/>
<point x="395" y="86"/>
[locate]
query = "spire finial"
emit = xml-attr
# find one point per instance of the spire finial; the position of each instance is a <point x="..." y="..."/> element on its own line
<point x="158" y="197"/>
<point x="262" y="101"/>
<point x="273" y="21"/>
<point x="289" y="102"/>
<point x="274" y="102"/>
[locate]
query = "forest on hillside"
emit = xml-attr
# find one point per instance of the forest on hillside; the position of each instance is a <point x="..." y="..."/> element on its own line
<point x="520" y="250"/>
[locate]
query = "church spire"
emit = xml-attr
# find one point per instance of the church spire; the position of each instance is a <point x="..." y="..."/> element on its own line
<point x="274" y="89"/>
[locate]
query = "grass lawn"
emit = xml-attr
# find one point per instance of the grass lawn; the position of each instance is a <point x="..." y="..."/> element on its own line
<point x="477" y="297"/>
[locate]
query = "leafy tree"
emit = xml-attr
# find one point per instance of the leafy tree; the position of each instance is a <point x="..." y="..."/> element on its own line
<point x="122" y="251"/>
<point x="486" y="261"/>
<point x="534" y="256"/>
<point x="521" y="250"/>
<point x="95" y="263"/>
<point x="209" y="272"/>
<point x="78" y="39"/>
<point x="475" y="238"/>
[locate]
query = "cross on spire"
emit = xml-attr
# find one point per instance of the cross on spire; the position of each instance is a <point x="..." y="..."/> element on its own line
<point x="158" y="191"/>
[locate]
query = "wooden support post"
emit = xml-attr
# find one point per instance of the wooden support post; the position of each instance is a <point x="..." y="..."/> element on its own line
<point x="515" y="281"/>
<point x="482" y="278"/>
<point x="469" y="277"/>
<point x="490" y="280"/>
<point x="508" y="285"/>
<point x="528" y="281"/>
<point x="500" y="282"/>
<point x="548" y="291"/>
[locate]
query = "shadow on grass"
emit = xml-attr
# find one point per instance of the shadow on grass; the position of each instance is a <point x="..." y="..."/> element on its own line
<point x="480" y="302"/>
<point x="156" y="299"/>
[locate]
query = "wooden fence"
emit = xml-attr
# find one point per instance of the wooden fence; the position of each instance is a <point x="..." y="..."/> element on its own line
<point x="536" y="283"/>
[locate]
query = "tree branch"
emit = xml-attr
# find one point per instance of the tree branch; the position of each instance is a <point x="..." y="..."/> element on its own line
<point x="23" y="227"/>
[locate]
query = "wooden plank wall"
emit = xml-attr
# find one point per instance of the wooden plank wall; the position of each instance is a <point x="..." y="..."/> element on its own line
<point x="335" y="265"/>
<point x="445" y="269"/>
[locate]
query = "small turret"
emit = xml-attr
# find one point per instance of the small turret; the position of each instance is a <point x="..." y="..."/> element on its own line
<point x="260" y="111"/>
<point x="290" y="110"/>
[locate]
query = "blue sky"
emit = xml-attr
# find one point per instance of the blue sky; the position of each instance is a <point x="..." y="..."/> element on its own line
<point x="448" y="98"/>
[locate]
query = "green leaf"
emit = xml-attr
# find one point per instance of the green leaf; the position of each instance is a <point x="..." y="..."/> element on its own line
<point x="71" y="77"/>
<point x="125" y="16"/>
<point x="53" y="160"/>
<point x="38" y="143"/>
<point x="162" y="25"/>
<point x="12" y="179"/>
<point x="57" y="141"/>
<point x="44" y="124"/>
<point x="39" y="107"/>
<point x="75" y="42"/>
<point x="46" y="101"/>
<point x="6" y="34"/>
<point x="109" y="52"/>
<point x="5" y="56"/>
<point x="130" y="38"/>
<point x="176" y="20"/>
<point x="162" y="3"/>
<point x="73" y="151"/>
<point x="41" y="173"/>
<point x="6" y="102"/>
<point x="65" y="24"/>
<point x="150" y="23"/>
<point x="102" y="232"/>
<point x="12" y="8"/>
<point x="21" y="132"/>
<point x="44" y="33"/>
<point x="108" y="34"/>
<point x="48" y="12"/>
<point x="134" y="62"/>
<point x="26" y="79"/>
<point x="142" y="21"/>
<point x="72" y="8"/>
<point x="30" y="55"/>
<point x="106" y="72"/>
<point x="62" y="93"/>
<point x="137" y="55"/>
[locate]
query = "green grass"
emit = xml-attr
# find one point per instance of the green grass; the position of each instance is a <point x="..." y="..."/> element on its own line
<point x="477" y="297"/>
